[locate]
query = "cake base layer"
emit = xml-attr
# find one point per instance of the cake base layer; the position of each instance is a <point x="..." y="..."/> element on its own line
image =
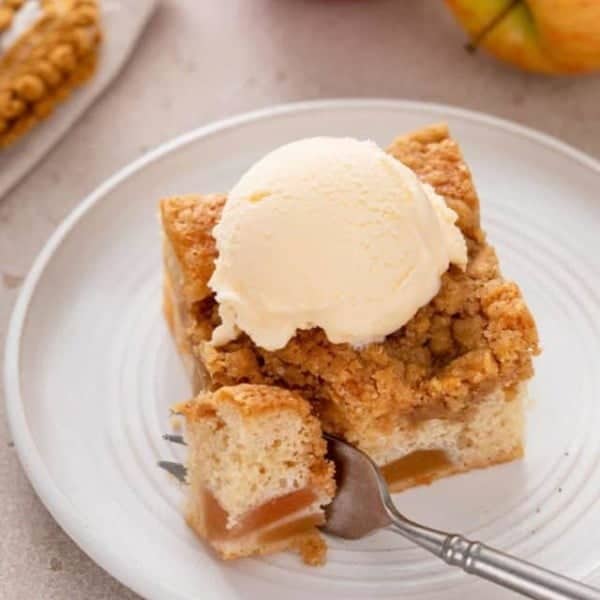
<point x="491" y="434"/>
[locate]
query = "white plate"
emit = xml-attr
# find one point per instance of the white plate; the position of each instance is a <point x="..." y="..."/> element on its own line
<point x="91" y="371"/>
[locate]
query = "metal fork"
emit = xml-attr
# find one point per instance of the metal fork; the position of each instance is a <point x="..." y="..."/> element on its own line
<point x="363" y="504"/>
<point x="174" y="468"/>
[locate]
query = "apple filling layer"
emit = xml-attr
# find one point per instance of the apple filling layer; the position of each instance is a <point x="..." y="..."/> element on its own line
<point x="419" y="466"/>
<point x="275" y="520"/>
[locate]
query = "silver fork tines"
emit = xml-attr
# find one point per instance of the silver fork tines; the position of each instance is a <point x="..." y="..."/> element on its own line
<point x="176" y="469"/>
<point x="176" y="439"/>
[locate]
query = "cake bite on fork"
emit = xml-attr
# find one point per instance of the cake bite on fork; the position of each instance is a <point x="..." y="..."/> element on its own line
<point x="256" y="472"/>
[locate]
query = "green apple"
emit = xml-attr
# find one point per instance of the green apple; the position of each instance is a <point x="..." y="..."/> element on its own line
<point x="548" y="36"/>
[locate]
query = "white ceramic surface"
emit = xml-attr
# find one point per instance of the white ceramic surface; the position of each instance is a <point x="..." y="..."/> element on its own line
<point x="91" y="371"/>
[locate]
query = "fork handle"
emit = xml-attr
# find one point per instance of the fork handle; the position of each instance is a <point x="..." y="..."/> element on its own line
<point x="478" y="559"/>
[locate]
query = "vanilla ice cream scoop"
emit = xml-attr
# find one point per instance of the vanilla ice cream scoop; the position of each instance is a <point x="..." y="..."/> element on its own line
<point x="331" y="233"/>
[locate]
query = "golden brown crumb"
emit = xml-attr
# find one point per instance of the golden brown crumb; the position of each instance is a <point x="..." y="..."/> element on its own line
<point x="6" y="17"/>
<point x="188" y="223"/>
<point x="249" y="400"/>
<point x="46" y="63"/>
<point x="437" y="160"/>
<point x="476" y="335"/>
<point x="312" y="548"/>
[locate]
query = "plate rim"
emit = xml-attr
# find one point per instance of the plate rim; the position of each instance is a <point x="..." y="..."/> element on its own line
<point x="33" y="464"/>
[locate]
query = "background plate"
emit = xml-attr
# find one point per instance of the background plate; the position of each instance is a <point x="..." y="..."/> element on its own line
<point x="91" y="371"/>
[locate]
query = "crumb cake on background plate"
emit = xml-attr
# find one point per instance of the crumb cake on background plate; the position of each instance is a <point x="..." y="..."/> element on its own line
<point x="258" y="479"/>
<point x="47" y="48"/>
<point x="442" y="394"/>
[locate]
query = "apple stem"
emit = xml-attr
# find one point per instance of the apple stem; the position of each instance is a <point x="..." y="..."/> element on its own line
<point x="476" y="40"/>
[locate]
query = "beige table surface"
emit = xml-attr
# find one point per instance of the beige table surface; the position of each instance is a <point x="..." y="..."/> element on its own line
<point x="201" y="60"/>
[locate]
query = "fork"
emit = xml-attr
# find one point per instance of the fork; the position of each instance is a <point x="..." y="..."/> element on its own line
<point x="363" y="504"/>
